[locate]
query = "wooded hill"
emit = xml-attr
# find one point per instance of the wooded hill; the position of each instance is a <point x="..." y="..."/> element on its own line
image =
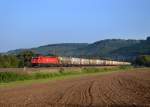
<point x="109" y="49"/>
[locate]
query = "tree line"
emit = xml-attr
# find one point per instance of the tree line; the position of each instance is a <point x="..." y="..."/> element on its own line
<point x="20" y="60"/>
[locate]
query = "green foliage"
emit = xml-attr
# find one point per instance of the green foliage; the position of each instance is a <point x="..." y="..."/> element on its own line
<point x="105" y="47"/>
<point x="8" y="61"/>
<point x="13" y="76"/>
<point x="125" y="67"/>
<point x="148" y="38"/>
<point x="25" y="58"/>
<point x="143" y="60"/>
<point x="20" y="60"/>
<point x="91" y="70"/>
<point x="141" y="48"/>
<point x="21" y="76"/>
<point x="103" y="69"/>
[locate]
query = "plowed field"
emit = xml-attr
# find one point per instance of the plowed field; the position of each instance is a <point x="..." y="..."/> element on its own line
<point x="115" y="89"/>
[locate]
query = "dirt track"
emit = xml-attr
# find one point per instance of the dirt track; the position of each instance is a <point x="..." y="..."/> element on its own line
<point x="117" y="89"/>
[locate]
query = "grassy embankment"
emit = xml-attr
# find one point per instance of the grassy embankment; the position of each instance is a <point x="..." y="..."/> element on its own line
<point x="8" y="77"/>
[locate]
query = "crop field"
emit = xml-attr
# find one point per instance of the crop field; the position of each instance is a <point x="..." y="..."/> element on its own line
<point x="117" y="86"/>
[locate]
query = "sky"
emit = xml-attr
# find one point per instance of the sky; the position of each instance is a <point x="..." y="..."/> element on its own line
<point x="32" y="23"/>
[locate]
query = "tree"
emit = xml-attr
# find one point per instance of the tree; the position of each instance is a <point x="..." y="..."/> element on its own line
<point x="25" y="58"/>
<point x="143" y="60"/>
<point x="148" y="38"/>
<point x="8" y="61"/>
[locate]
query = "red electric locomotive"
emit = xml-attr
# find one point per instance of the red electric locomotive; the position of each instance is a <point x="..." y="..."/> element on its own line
<point x="45" y="61"/>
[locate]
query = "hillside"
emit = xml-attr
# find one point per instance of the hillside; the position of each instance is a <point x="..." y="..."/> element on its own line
<point x="58" y="49"/>
<point x="141" y="48"/>
<point x="110" y="48"/>
<point x="105" y="47"/>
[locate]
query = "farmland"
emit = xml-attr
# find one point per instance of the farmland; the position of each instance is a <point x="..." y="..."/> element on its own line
<point x="116" y="87"/>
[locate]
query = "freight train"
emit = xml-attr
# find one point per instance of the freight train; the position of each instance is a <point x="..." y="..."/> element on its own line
<point x="72" y="61"/>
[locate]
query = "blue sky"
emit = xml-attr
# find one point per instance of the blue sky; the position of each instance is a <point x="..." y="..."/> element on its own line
<point x="31" y="23"/>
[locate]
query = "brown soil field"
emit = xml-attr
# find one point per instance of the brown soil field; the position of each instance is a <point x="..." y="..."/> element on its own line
<point x="130" y="88"/>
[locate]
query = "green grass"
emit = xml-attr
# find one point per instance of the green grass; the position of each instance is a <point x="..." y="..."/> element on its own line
<point x="21" y="77"/>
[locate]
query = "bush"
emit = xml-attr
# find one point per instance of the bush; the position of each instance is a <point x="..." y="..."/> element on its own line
<point x="7" y="61"/>
<point x="20" y="76"/>
<point x="91" y="70"/>
<point x="13" y="76"/>
<point x="25" y="58"/>
<point x="143" y="60"/>
<point x="124" y="67"/>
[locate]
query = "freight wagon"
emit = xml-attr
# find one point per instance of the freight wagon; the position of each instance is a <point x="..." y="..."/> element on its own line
<point x="71" y="61"/>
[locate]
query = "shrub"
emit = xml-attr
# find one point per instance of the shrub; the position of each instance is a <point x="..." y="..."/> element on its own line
<point x="143" y="60"/>
<point x="8" y="61"/>
<point x="13" y="76"/>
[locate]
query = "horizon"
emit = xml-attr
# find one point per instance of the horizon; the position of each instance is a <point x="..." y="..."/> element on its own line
<point x="33" y="23"/>
<point x="71" y="43"/>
